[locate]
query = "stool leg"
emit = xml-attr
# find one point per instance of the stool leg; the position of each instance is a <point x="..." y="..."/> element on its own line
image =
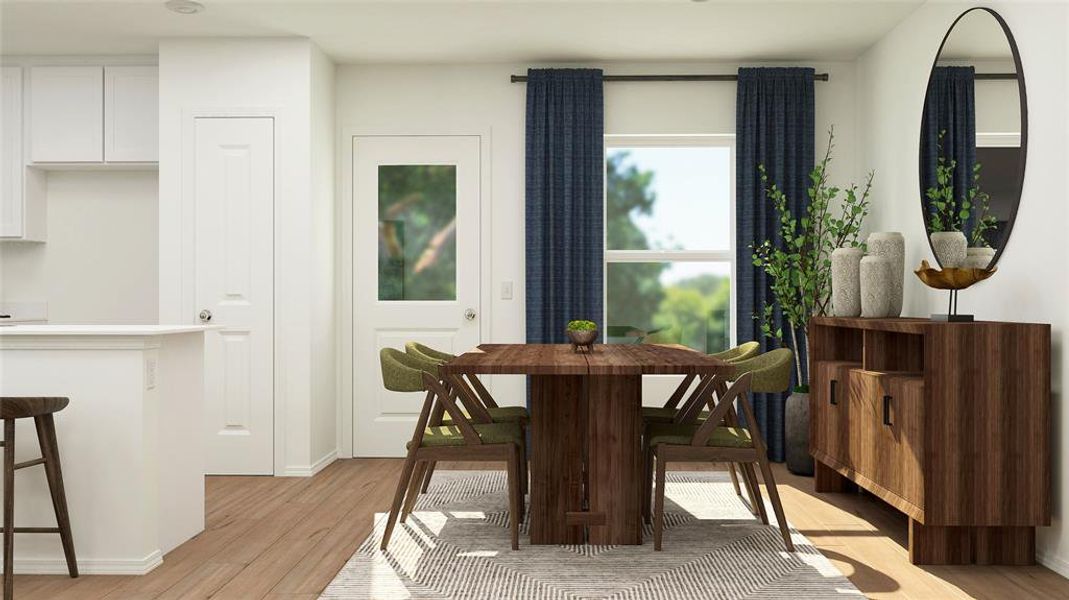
<point x="9" y="509"/>
<point x="46" y="437"/>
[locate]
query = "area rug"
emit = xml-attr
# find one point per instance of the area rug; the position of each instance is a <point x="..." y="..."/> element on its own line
<point x="456" y="545"/>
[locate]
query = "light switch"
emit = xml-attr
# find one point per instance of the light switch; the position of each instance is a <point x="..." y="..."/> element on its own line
<point x="506" y="290"/>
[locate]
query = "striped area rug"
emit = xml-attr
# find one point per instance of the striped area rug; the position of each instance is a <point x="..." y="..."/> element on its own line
<point x="456" y="545"/>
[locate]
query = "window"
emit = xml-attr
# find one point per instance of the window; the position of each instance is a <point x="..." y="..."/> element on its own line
<point x="669" y="240"/>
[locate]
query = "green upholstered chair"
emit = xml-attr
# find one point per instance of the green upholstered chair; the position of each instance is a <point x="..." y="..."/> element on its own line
<point x="710" y="441"/>
<point x="461" y="441"/>
<point x="667" y="413"/>
<point x="430" y="359"/>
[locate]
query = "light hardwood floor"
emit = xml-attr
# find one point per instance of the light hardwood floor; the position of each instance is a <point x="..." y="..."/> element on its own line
<point x="285" y="538"/>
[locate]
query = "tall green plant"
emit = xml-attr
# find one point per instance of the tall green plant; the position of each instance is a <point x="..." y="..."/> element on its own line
<point x="798" y="260"/>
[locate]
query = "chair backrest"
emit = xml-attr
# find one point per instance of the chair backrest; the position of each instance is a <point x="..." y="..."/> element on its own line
<point x="402" y="372"/>
<point x="427" y="352"/>
<point x="771" y="371"/>
<point x="724" y="403"/>
<point x="741" y="352"/>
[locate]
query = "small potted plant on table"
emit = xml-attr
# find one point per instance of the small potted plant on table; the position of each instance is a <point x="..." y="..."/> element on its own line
<point x="582" y="335"/>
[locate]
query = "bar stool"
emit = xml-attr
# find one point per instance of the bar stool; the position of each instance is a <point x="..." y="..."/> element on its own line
<point x="41" y="409"/>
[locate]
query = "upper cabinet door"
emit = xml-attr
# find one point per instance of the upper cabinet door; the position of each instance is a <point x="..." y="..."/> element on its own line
<point x="131" y="114"/>
<point x="66" y="114"/>
<point x="11" y="152"/>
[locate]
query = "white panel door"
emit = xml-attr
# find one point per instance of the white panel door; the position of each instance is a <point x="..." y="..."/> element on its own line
<point x="416" y="268"/>
<point x="234" y="173"/>
<point x="11" y="165"/>
<point x="131" y="114"/>
<point x="66" y="114"/>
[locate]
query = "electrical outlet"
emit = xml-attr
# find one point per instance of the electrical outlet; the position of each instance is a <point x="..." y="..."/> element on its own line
<point x="506" y="290"/>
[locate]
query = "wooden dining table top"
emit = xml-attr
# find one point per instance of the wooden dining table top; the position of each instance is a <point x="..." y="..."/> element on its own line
<point x="562" y="359"/>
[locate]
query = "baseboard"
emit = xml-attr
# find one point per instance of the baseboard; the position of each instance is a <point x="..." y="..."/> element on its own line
<point x="310" y="470"/>
<point x="1054" y="562"/>
<point x="89" y="566"/>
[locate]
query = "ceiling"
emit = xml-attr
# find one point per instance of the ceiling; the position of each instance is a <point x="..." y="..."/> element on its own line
<point x="486" y="31"/>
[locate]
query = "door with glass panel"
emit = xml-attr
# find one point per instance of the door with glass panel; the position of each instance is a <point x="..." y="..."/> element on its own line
<point x="416" y="268"/>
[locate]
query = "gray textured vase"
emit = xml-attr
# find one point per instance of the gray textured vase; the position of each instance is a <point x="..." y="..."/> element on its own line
<point x="796" y="429"/>
<point x="877" y="287"/>
<point x="846" y="281"/>
<point x="892" y="245"/>
<point x="978" y="258"/>
<point x="949" y="247"/>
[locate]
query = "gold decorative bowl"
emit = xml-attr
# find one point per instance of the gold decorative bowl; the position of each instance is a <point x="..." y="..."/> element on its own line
<point x="951" y="278"/>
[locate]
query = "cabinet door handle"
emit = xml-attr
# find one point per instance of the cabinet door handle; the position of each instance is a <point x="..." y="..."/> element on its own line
<point x="832" y="397"/>
<point x="887" y="411"/>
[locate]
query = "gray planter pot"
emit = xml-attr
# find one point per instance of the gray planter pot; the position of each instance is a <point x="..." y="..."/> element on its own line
<point x="949" y="248"/>
<point x="796" y="428"/>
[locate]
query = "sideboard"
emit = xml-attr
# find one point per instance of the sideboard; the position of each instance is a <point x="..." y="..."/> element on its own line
<point x="948" y="423"/>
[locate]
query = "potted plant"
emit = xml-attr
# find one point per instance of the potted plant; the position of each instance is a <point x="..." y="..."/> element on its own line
<point x="582" y="334"/>
<point x="947" y="214"/>
<point x="798" y="265"/>
<point x="979" y="254"/>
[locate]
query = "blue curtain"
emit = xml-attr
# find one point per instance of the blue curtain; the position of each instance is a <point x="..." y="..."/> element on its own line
<point x="774" y="127"/>
<point x="949" y="107"/>
<point x="565" y="202"/>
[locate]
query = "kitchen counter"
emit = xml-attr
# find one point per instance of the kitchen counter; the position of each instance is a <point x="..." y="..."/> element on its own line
<point x="131" y="441"/>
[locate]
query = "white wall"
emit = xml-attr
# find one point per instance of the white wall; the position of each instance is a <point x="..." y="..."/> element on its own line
<point x="220" y="76"/>
<point x="99" y="263"/>
<point x="1032" y="282"/>
<point x="476" y="99"/>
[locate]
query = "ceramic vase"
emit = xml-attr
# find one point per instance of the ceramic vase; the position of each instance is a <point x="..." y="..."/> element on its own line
<point x="949" y="248"/>
<point x="796" y="430"/>
<point x="978" y="258"/>
<point x="846" y="281"/>
<point x="877" y="287"/>
<point x="892" y="245"/>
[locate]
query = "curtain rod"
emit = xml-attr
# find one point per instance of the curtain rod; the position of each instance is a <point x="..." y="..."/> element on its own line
<point x="995" y="76"/>
<point x="816" y="77"/>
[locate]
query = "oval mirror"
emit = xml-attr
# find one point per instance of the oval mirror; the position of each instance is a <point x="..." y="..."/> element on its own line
<point x="974" y="137"/>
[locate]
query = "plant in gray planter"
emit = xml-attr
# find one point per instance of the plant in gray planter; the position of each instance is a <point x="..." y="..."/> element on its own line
<point x="798" y="265"/>
<point x="582" y="334"/>
<point x="948" y="216"/>
<point x="980" y="253"/>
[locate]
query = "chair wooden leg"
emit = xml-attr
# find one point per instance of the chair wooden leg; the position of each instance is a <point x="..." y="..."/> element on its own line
<point x="647" y="486"/>
<point x="658" y="509"/>
<point x="773" y="495"/>
<point x="522" y="474"/>
<point x="753" y="488"/>
<point x="413" y="489"/>
<point x="398" y="497"/>
<point x="46" y="439"/>
<point x="523" y="459"/>
<point x="734" y="479"/>
<point x="9" y="509"/>
<point x="427" y="477"/>
<point x="514" y="496"/>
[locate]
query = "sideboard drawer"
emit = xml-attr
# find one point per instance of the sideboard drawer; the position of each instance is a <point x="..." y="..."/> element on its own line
<point x="830" y="428"/>
<point x="887" y="435"/>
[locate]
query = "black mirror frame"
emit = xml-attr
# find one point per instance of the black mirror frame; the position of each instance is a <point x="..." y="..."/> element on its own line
<point x="1023" y="159"/>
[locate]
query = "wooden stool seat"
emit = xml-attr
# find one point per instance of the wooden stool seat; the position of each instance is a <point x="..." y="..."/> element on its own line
<point x="24" y="408"/>
<point x="40" y="409"/>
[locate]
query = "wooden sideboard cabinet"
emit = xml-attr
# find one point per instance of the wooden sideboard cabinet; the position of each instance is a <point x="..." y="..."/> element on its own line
<point x="947" y="422"/>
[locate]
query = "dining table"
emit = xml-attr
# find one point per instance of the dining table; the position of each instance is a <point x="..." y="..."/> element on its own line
<point x="586" y="462"/>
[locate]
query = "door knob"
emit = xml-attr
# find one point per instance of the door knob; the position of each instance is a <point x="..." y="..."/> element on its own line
<point x="205" y="315"/>
<point x="469" y="314"/>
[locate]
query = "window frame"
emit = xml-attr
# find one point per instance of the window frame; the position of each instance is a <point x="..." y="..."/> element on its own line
<point x="615" y="141"/>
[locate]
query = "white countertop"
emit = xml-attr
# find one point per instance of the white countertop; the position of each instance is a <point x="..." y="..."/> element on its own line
<point x="108" y="330"/>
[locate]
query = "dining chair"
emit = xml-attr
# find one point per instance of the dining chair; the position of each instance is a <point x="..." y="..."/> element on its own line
<point x="667" y="412"/>
<point x="461" y="441"/>
<point x="498" y="414"/>
<point x="710" y="441"/>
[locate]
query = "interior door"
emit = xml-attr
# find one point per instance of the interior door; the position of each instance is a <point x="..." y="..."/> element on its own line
<point x="416" y="268"/>
<point x="234" y="174"/>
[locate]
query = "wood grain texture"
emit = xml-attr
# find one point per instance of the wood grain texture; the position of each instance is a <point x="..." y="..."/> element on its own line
<point x="935" y="545"/>
<point x="614" y="457"/>
<point x="334" y="511"/>
<point x="558" y="415"/>
<point x="968" y="444"/>
<point x="606" y="359"/>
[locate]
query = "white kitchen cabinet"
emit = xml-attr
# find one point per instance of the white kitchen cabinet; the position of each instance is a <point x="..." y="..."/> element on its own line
<point x="131" y="114"/>
<point x="22" y="205"/>
<point x="66" y="114"/>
